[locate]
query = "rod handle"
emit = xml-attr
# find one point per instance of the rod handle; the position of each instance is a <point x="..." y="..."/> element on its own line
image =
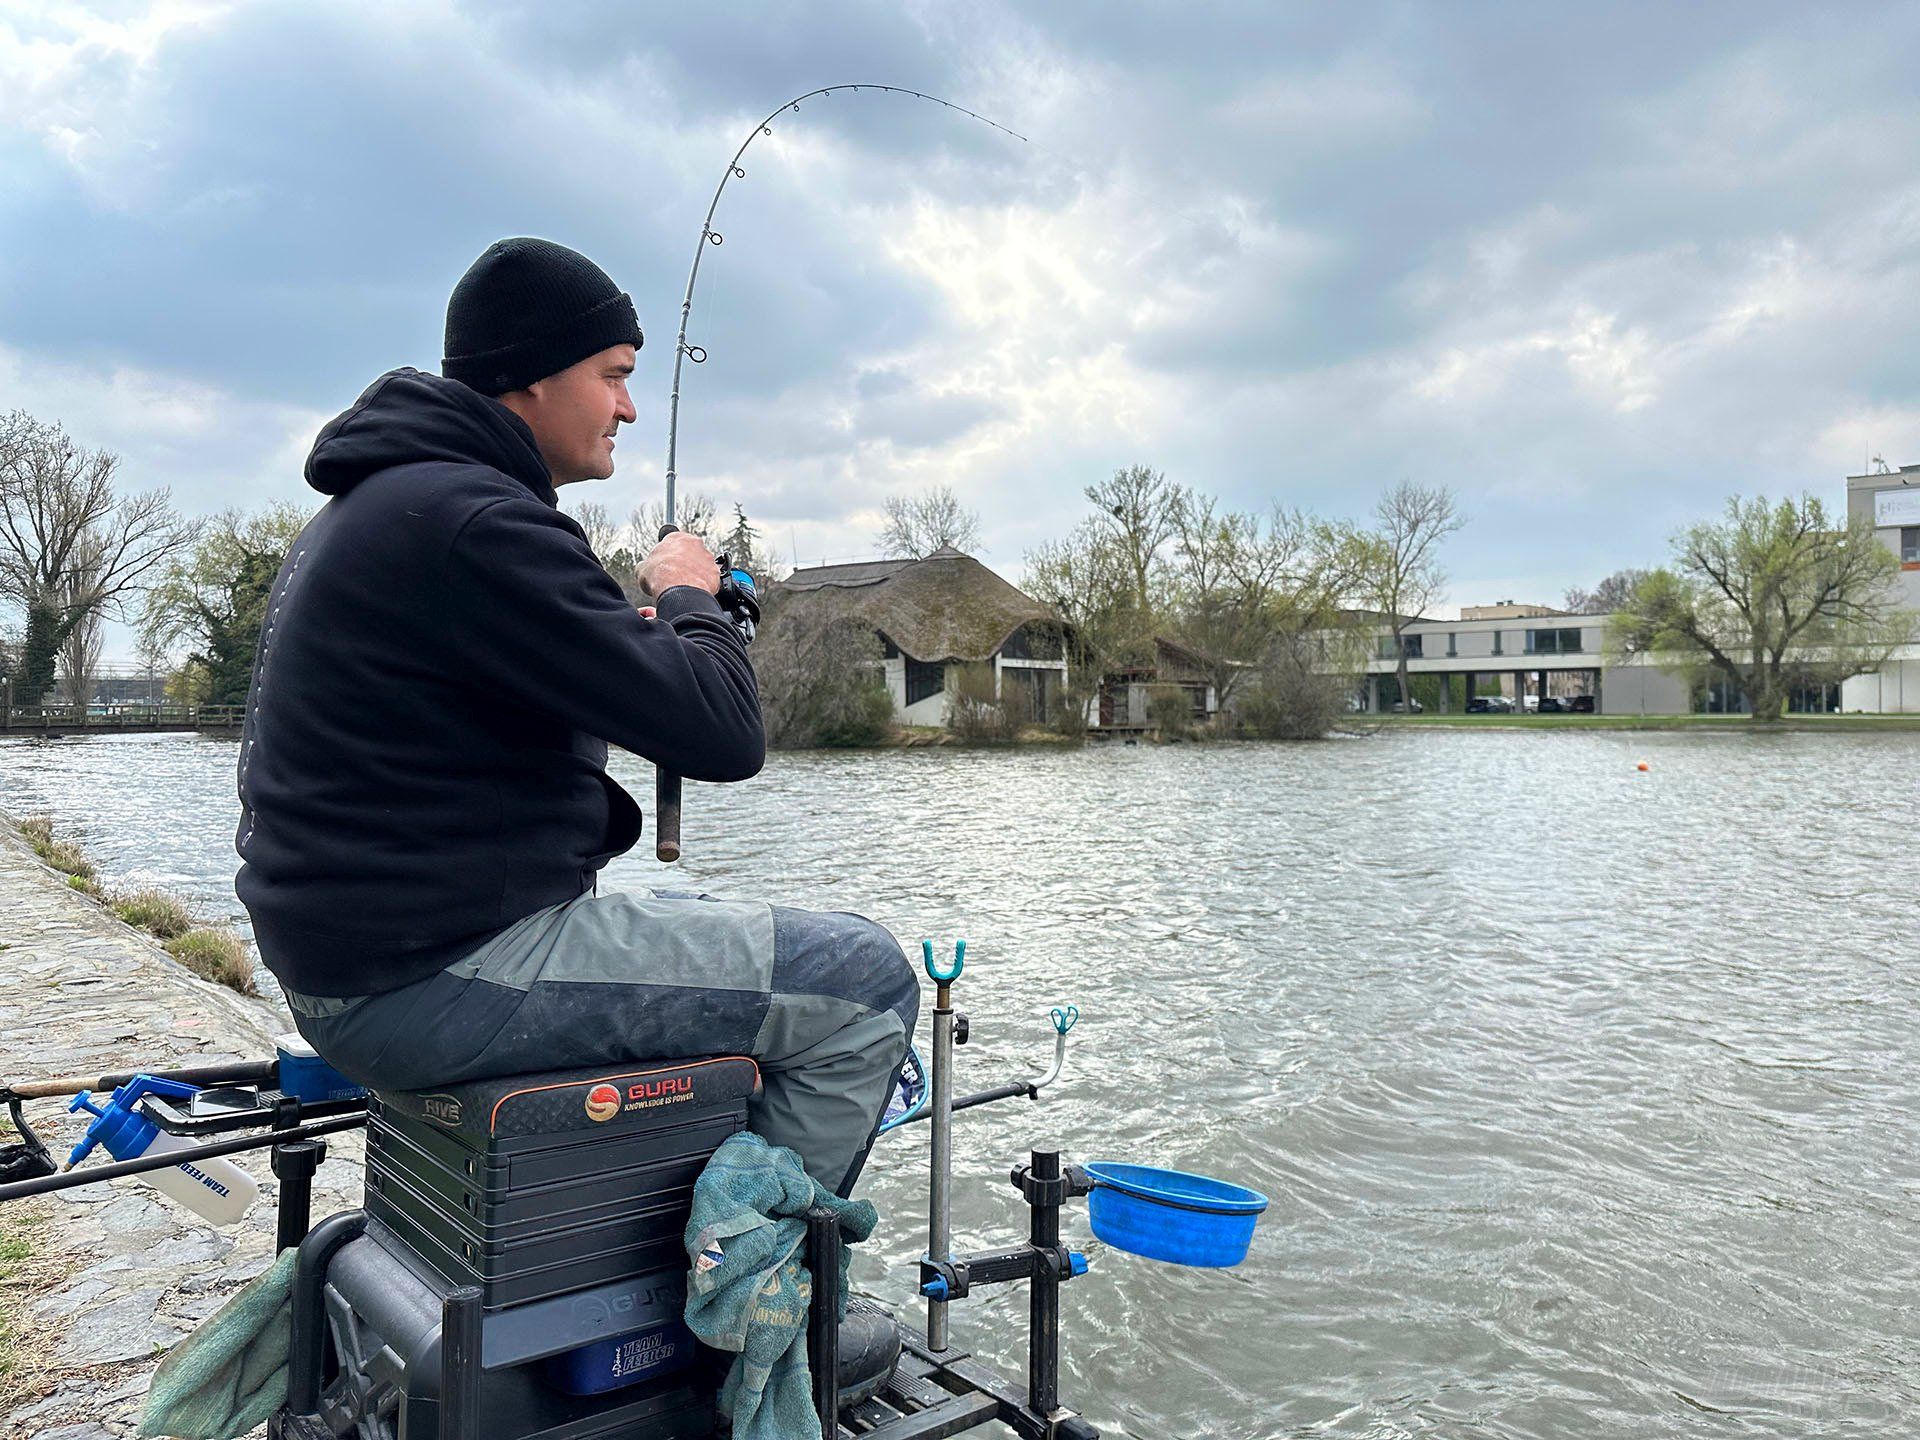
<point x="666" y="816"/>
<point x="666" y="786"/>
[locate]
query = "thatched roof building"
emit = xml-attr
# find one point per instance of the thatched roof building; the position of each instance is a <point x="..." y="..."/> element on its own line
<point x="946" y="610"/>
<point x="946" y="607"/>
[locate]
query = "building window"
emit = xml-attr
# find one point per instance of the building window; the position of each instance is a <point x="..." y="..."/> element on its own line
<point x="924" y="681"/>
<point x="1910" y="546"/>
<point x="1554" y="642"/>
<point x="1410" y="646"/>
<point x="1451" y="652"/>
<point x="1496" y="642"/>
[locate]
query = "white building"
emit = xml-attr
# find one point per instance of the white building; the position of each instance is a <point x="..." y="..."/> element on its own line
<point x="1524" y="652"/>
<point x="1891" y="501"/>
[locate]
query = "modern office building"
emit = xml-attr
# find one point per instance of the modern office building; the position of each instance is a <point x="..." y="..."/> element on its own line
<point x="1890" y="499"/>
<point x="1524" y="652"/>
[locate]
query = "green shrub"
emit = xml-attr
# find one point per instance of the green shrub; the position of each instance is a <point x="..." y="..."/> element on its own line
<point x="974" y="711"/>
<point x="1289" y="699"/>
<point x="859" y="717"/>
<point x="217" y="955"/>
<point x="153" y="911"/>
<point x="1170" y="711"/>
<point x="821" y="681"/>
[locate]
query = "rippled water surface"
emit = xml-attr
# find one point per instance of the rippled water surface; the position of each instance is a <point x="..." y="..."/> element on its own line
<point x="1586" y="1097"/>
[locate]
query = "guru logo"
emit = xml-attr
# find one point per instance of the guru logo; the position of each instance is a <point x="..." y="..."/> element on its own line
<point x="603" y="1103"/>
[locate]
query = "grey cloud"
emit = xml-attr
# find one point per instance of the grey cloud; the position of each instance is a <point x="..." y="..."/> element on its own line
<point x="1596" y="267"/>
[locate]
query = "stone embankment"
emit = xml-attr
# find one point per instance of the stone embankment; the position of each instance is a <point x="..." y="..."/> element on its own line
<point x="114" y="1274"/>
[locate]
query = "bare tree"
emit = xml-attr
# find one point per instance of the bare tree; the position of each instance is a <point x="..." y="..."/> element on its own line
<point x="696" y="514"/>
<point x="61" y="519"/>
<point x="1406" y="578"/>
<point x="1139" y="509"/>
<point x="80" y="655"/>
<point x="1242" y="582"/>
<point x="918" y="525"/>
<point x="604" y="534"/>
<point x="1609" y="597"/>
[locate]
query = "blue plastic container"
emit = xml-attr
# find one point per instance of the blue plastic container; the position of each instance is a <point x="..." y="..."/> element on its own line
<point x="305" y="1076"/>
<point x="622" y="1360"/>
<point x="1170" y="1215"/>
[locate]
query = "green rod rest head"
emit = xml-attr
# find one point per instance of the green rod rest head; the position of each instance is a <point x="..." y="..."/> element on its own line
<point x="944" y="975"/>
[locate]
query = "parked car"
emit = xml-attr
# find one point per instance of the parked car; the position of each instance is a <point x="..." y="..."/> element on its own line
<point x="1551" y="705"/>
<point x="1581" y="705"/>
<point x="1401" y="707"/>
<point x="1489" y="705"/>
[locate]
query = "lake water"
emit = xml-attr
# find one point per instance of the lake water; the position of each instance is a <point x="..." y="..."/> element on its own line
<point x="1586" y="1097"/>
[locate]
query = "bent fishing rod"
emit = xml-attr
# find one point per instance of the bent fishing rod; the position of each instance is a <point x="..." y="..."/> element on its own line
<point x="667" y="785"/>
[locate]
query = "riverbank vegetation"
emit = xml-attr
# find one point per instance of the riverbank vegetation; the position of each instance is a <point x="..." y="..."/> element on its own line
<point x="1268" y="611"/>
<point x="19" y="1281"/>
<point x="213" y="952"/>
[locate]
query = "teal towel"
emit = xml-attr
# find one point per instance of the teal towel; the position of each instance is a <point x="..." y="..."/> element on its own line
<point x="230" y="1374"/>
<point x="748" y="1291"/>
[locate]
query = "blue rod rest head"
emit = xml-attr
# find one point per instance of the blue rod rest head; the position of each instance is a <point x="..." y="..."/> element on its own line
<point x="944" y="975"/>
<point x="1064" y="1017"/>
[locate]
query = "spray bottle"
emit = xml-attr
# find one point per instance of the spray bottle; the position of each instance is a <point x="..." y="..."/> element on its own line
<point x="216" y="1188"/>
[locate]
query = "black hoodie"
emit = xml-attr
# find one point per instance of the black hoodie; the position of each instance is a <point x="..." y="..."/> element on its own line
<point x="441" y="670"/>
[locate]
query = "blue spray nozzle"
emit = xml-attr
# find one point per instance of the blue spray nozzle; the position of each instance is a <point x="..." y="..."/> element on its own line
<point x="1064" y="1017"/>
<point x="120" y="1126"/>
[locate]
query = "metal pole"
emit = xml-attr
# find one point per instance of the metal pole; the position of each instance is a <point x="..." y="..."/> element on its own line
<point x="294" y="1162"/>
<point x="1043" y="1298"/>
<point x="940" y="1188"/>
<point x="823" y="1316"/>
<point x="93" y="1174"/>
<point x="460" y="1372"/>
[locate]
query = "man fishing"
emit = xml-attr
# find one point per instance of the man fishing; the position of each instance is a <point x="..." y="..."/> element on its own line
<point x="424" y="797"/>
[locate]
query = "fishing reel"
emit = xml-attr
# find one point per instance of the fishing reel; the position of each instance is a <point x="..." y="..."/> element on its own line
<point x="737" y="595"/>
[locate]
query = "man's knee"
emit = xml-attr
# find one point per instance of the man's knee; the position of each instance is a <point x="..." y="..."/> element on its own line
<point x="889" y="975"/>
<point x="848" y="956"/>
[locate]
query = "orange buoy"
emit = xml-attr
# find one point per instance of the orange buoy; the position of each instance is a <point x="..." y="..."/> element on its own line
<point x="1645" y="766"/>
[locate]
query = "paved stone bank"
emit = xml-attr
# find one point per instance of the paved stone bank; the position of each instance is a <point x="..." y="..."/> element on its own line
<point x="118" y="1272"/>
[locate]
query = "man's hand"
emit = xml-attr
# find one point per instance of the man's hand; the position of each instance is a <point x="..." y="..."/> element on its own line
<point x="679" y="559"/>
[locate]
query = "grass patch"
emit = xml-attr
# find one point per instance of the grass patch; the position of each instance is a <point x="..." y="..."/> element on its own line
<point x="212" y="953"/>
<point x="18" y="1280"/>
<point x="153" y="911"/>
<point x="63" y="855"/>
<point x="216" y="955"/>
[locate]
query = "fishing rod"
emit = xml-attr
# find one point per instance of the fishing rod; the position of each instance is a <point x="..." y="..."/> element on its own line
<point x="666" y="785"/>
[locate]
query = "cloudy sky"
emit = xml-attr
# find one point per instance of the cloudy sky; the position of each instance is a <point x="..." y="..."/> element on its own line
<point x="1595" y="267"/>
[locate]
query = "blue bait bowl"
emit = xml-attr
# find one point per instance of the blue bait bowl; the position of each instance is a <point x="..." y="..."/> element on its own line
<point x="1170" y="1215"/>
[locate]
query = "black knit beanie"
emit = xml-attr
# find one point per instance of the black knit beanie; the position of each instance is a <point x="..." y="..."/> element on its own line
<point x="527" y="309"/>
